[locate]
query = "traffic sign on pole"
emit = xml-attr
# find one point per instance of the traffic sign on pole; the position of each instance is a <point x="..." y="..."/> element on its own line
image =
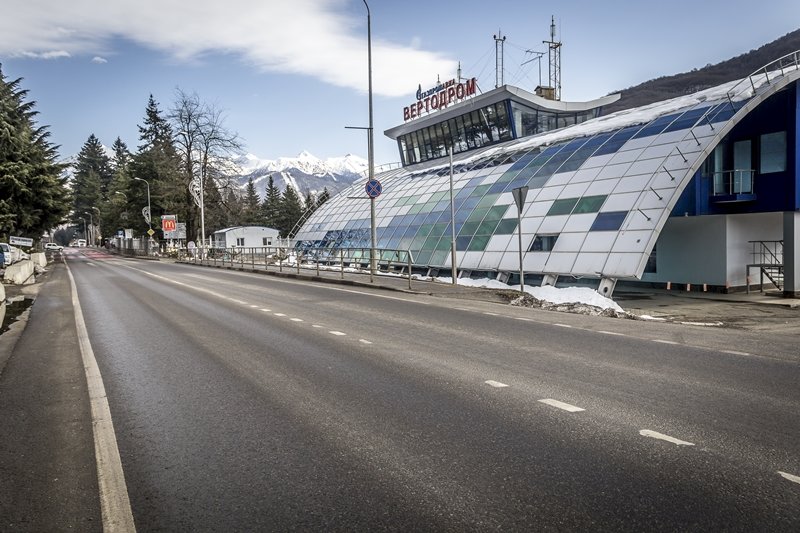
<point x="373" y="188"/>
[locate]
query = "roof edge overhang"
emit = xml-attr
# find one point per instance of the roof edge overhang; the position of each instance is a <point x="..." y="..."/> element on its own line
<point x="506" y="92"/>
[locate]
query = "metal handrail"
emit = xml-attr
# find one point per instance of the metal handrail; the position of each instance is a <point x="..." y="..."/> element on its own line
<point x="736" y="181"/>
<point x="791" y="59"/>
<point x="767" y="252"/>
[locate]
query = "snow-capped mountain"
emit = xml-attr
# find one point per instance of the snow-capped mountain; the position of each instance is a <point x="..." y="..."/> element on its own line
<point x="304" y="173"/>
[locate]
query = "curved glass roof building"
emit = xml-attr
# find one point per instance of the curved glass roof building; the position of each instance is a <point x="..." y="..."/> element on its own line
<point x="678" y="191"/>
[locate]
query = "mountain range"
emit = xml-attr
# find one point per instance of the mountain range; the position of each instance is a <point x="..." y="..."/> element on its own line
<point x="304" y="173"/>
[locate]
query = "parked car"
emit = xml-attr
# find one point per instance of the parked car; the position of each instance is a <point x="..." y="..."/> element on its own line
<point x="53" y="246"/>
<point x="12" y="254"/>
<point x="81" y="243"/>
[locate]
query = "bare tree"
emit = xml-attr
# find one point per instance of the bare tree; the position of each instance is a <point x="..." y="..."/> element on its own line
<point x="207" y="149"/>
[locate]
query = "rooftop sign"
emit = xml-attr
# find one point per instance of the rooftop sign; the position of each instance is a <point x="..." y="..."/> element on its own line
<point x="439" y="97"/>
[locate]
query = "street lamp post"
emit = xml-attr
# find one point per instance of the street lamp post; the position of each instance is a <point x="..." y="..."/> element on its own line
<point x="370" y="151"/>
<point x="91" y="226"/>
<point x="149" y="213"/>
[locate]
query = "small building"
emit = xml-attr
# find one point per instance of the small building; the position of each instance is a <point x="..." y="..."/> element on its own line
<point x="245" y="237"/>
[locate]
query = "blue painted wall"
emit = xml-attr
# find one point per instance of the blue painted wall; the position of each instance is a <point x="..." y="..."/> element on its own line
<point x="779" y="191"/>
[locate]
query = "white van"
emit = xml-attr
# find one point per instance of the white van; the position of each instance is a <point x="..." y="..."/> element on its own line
<point x="80" y="243"/>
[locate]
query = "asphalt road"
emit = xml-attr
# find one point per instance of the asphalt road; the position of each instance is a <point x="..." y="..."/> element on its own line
<point x="246" y="402"/>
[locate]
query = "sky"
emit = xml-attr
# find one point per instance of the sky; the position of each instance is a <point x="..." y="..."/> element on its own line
<point x="291" y="75"/>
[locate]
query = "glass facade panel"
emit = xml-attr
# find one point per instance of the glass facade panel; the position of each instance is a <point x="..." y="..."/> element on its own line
<point x="773" y="152"/>
<point x="609" y="221"/>
<point x="590" y="204"/>
<point x="562" y="207"/>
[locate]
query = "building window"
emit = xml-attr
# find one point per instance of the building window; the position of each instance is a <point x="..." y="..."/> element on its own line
<point x="266" y="241"/>
<point x="773" y="152"/>
<point x="609" y="221"/>
<point x="240" y="241"/>
<point x="563" y="206"/>
<point x="544" y="243"/>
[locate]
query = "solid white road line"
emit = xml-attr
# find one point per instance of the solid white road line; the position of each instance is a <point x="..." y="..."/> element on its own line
<point x="790" y="477"/>
<point x="563" y="325"/>
<point x="490" y="314"/>
<point x="734" y="352"/>
<point x="337" y="333"/>
<point x="115" y="506"/>
<point x="495" y="384"/>
<point x="661" y="436"/>
<point x="662" y="341"/>
<point x="562" y="405"/>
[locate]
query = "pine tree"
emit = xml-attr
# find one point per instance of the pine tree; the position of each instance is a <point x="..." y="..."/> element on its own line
<point x="33" y="194"/>
<point x="118" y="212"/>
<point x="290" y="211"/>
<point x="251" y="214"/>
<point x="157" y="162"/>
<point x="323" y="197"/>
<point x="271" y="206"/>
<point x="91" y="181"/>
<point x="309" y="203"/>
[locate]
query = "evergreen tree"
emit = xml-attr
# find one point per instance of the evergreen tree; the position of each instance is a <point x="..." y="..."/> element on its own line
<point x="309" y="203"/>
<point x="90" y="182"/>
<point x="33" y="194"/>
<point x="251" y="214"/>
<point x="157" y="162"/>
<point x="323" y="197"/>
<point x="271" y="206"/>
<point x="290" y="211"/>
<point x="119" y="212"/>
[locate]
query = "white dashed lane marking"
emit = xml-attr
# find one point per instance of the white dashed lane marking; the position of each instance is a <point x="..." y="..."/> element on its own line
<point x="337" y="333"/>
<point x="662" y="341"/>
<point x="279" y="314"/>
<point x="315" y="326"/>
<point x="734" y="352"/>
<point x="611" y="333"/>
<point x="562" y="405"/>
<point x="790" y="477"/>
<point x="661" y="436"/>
<point x="495" y="384"/>
<point x="364" y="341"/>
<point x="563" y="325"/>
<point x="297" y="320"/>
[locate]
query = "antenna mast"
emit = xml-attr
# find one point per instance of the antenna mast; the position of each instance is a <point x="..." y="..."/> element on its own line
<point x="554" y="56"/>
<point x="499" y="39"/>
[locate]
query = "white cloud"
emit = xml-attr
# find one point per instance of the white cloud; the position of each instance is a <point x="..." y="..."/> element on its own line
<point x="52" y="54"/>
<point x="319" y="38"/>
<point x="99" y="60"/>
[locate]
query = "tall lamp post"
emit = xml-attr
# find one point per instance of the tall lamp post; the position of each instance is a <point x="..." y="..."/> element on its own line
<point x="91" y="226"/>
<point x="370" y="152"/>
<point x="149" y="213"/>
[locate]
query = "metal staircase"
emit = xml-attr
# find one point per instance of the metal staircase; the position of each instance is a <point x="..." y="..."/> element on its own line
<point x="767" y="256"/>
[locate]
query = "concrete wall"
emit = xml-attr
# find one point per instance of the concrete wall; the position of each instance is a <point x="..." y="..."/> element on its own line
<point x="19" y="272"/>
<point x="712" y="249"/>
<point x="744" y="228"/>
<point x="39" y="259"/>
<point x="691" y="250"/>
<point x="791" y="253"/>
<point x="2" y="296"/>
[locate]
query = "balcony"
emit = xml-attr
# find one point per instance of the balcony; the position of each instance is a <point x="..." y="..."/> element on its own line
<point x="733" y="186"/>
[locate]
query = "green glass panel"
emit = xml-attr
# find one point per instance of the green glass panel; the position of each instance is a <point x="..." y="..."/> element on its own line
<point x="469" y="228"/>
<point x="424" y="230"/>
<point x="439" y="229"/>
<point x="439" y="258"/>
<point x="488" y="200"/>
<point x="430" y="244"/>
<point x="443" y="244"/>
<point x="562" y="207"/>
<point x="590" y="204"/>
<point x="480" y="191"/>
<point x="478" y="243"/>
<point x="496" y="212"/>
<point x="487" y="227"/>
<point x="422" y="257"/>
<point x="477" y="215"/>
<point x="415" y="209"/>
<point x="507" y="226"/>
<point x="417" y="243"/>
